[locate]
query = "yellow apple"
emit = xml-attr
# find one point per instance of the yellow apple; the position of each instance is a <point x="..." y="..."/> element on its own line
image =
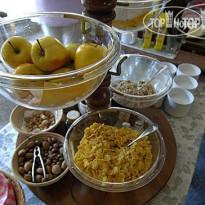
<point x="62" y="70"/>
<point x="27" y="69"/>
<point x="48" y="54"/>
<point x="16" y="50"/>
<point x="89" y="53"/>
<point x="71" y="49"/>
<point x="64" y="80"/>
<point x="61" y="96"/>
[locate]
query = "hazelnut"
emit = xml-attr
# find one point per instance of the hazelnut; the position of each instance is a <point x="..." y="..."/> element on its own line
<point x="21" y="170"/>
<point x="20" y="159"/>
<point x="27" y="166"/>
<point x="39" y="171"/>
<point x="49" y="176"/>
<point x="38" y="178"/>
<point x="64" y="165"/>
<point x="56" y="169"/>
<point x="54" y="139"/>
<point x="29" y="155"/>
<point x="31" y="144"/>
<point x="46" y="145"/>
<point x="21" y="152"/>
<point x="61" y="150"/>
<point x="48" y="169"/>
<point x="49" y="140"/>
<point x="27" y="177"/>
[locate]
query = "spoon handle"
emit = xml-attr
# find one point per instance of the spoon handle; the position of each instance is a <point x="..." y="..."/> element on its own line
<point x="156" y="74"/>
<point x="149" y="130"/>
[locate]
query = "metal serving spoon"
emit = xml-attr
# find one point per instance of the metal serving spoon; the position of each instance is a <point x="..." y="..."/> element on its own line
<point x="149" y="130"/>
<point x="156" y="74"/>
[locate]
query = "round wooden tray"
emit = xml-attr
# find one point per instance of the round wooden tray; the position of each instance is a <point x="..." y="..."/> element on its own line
<point x="70" y="191"/>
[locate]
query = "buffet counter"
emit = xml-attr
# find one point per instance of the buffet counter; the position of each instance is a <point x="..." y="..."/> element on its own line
<point x="188" y="131"/>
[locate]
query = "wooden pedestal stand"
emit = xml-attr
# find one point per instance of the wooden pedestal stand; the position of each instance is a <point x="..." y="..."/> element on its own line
<point x="102" y="10"/>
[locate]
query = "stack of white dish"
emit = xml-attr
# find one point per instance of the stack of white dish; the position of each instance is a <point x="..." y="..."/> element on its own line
<point x="173" y="70"/>
<point x="181" y="97"/>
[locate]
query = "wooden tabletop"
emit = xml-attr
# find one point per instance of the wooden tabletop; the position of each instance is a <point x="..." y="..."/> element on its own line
<point x="182" y="57"/>
<point x="70" y="191"/>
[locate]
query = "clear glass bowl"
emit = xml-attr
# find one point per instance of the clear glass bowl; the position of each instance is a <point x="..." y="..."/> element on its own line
<point x="138" y="68"/>
<point x="115" y="117"/>
<point x="64" y="89"/>
<point x="133" y="15"/>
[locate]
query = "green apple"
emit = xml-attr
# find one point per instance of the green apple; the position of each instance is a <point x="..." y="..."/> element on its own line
<point x="71" y="49"/>
<point x="89" y="53"/>
<point x="48" y="54"/>
<point x="27" y="69"/>
<point x="16" y="50"/>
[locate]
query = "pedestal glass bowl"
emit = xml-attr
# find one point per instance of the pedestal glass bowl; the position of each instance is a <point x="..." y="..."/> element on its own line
<point x="138" y="68"/>
<point x="114" y="117"/>
<point x="130" y="14"/>
<point x="133" y="15"/>
<point x="63" y="89"/>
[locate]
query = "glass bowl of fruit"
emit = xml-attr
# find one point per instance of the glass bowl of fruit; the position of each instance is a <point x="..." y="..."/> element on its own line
<point x="96" y="152"/>
<point x="54" y="60"/>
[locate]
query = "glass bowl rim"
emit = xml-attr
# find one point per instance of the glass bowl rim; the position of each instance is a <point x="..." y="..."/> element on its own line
<point x="110" y="54"/>
<point x="128" y="185"/>
<point x="137" y="2"/>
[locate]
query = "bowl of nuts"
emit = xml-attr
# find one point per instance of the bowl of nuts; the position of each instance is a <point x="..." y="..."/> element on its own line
<point x="28" y="121"/>
<point x="39" y="161"/>
<point x="97" y="153"/>
<point x="142" y="82"/>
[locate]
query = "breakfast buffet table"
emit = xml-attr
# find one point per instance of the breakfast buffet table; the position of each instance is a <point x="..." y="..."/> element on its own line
<point x="188" y="132"/>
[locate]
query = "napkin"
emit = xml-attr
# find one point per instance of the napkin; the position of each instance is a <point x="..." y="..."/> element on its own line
<point x="7" y="195"/>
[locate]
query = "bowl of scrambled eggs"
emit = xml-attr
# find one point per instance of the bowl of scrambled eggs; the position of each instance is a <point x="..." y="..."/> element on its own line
<point x="96" y="152"/>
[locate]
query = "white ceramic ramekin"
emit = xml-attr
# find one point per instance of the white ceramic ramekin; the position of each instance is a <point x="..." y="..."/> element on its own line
<point x="186" y="82"/>
<point x="189" y="69"/>
<point x="172" y="68"/>
<point x="178" y="102"/>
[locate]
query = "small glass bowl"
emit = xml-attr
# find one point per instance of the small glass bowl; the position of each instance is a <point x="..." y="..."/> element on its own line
<point x="138" y="68"/>
<point x="64" y="89"/>
<point x="115" y="117"/>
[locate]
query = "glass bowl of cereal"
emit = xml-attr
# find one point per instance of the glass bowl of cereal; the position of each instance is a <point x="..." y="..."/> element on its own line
<point x="128" y="88"/>
<point x="96" y="153"/>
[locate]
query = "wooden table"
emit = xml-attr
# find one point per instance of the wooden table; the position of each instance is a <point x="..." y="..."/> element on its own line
<point x="182" y="57"/>
<point x="69" y="190"/>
